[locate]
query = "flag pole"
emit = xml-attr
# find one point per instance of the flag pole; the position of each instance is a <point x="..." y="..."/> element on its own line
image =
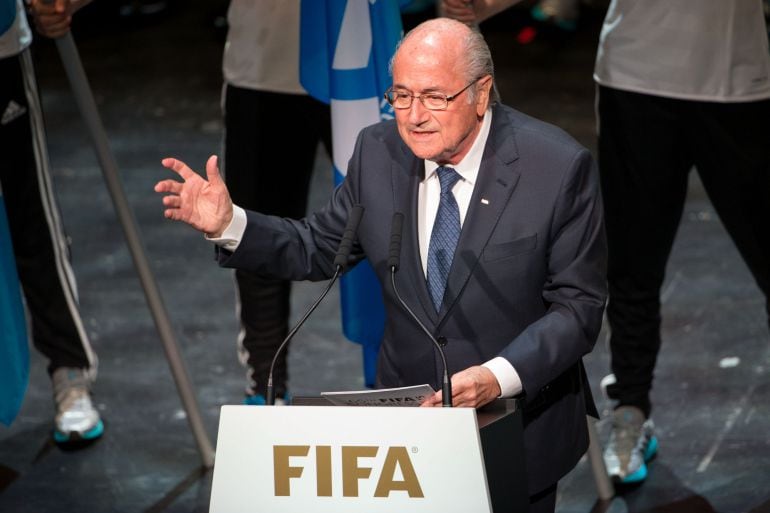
<point x="85" y="101"/>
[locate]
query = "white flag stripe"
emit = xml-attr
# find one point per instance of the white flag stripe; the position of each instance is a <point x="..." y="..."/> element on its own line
<point x="348" y="118"/>
<point x="355" y="39"/>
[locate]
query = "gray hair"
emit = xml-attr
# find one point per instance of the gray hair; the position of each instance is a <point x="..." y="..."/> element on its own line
<point x="478" y="63"/>
<point x="478" y="59"/>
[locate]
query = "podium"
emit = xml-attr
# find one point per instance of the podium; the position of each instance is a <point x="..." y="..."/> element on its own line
<point x="315" y="457"/>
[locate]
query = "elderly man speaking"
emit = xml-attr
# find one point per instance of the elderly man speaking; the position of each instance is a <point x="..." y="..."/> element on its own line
<point x="503" y="255"/>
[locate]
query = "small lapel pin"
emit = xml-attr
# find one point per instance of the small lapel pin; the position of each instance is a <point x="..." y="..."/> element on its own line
<point x="484" y="201"/>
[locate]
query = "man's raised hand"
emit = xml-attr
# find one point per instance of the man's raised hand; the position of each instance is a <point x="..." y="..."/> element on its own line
<point x="203" y="204"/>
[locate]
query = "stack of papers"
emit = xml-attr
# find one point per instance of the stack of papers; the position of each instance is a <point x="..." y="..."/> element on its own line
<point x="402" y="396"/>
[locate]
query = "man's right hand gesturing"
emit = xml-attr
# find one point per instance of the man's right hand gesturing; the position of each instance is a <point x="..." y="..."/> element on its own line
<point x="203" y="204"/>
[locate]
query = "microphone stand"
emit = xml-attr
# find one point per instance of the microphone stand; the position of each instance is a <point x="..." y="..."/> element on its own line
<point x="340" y="264"/>
<point x="270" y="395"/>
<point x="394" y="261"/>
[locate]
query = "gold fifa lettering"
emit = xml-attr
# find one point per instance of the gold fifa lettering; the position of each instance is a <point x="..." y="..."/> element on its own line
<point x="387" y="483"/>
<point x="281" y="469"/>
<point x="352" y="470"/>
<point x="323" y="470"/>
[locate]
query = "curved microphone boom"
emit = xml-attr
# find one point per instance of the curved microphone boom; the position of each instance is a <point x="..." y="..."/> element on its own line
<point x="340" y="264"/>
<point x="394" y="261"/>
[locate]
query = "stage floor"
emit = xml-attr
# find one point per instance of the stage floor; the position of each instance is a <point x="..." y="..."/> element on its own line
<point x="157" y="82"/>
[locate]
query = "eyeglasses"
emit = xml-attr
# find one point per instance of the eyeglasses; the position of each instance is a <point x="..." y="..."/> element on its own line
<point x="401" y="99"/>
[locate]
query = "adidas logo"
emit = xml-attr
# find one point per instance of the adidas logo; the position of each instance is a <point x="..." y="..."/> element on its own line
<point x="12" y="111"/>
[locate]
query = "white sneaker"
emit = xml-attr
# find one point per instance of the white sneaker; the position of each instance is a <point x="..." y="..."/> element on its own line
<point x="76" y="418"/>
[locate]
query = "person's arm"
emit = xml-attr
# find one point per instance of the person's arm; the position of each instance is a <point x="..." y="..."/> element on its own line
<point x="301" y="249"/>
<point x="575" y="289"/>
<point x="460" y="10"/>
<point x="473" y="11"/>
<point x="485" y="9"/>
<point x="279" y="247"/>
<point x="53" y="17"/>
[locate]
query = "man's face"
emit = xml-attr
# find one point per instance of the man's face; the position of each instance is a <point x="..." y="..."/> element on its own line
<point x="443" y="136"/>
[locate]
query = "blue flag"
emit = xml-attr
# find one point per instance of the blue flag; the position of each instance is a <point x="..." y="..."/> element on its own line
<point x="345" y="50"/>
<point x="14" y="349"/>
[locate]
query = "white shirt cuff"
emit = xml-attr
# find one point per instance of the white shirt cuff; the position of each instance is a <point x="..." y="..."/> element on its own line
<point x="507" y="377"/>
<point x="231" y="237"/>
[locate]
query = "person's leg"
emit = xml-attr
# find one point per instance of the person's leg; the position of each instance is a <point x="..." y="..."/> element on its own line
<point x="263" y="310"/>
<point x="264" y="179"/>
<point x="644" y="184"/>
<point x="733" y="161"/>
<point x="41" y="253"/>
<point x="643" y="167"/>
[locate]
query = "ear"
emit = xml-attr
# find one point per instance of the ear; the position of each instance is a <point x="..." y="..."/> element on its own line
<point x="483" y="94"/>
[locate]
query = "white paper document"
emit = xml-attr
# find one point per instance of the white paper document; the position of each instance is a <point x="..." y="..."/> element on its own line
<point x="402" y="396"/>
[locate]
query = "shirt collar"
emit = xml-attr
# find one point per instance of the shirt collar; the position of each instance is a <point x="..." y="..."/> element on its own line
<point x="468" y="167"/>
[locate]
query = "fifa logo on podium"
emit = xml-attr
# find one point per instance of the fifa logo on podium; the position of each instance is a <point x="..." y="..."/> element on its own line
<point x="352" y="470"/>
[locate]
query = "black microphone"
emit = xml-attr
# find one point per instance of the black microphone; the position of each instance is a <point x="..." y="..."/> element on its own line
<point x="394" y="261"/>
<point x="340" y="264"/>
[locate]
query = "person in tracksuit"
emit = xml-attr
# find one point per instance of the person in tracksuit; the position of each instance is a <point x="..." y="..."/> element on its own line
<point x="39" y="244"/>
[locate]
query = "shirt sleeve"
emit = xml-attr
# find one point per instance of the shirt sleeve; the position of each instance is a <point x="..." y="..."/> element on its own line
<point x="507" y="377"/>
<point x="231" y="237"/>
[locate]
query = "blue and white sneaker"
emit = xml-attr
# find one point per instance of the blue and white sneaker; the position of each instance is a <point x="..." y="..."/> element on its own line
<point x="631" y="445"/>
<point x="76" y="421"/>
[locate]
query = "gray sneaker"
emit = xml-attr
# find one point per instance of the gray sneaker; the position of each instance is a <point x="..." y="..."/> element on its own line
<point x="632" y="444"/>
<point x="76" y="418"/>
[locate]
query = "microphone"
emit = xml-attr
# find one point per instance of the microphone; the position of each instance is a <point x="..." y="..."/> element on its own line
<point x="340" y="264"/>
<point x="394" y="261"/>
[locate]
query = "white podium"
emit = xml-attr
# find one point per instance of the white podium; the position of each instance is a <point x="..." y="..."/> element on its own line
<point x="307" y="458"/>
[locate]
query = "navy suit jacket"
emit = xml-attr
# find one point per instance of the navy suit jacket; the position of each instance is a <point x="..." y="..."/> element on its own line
<point x="527" y="281"/>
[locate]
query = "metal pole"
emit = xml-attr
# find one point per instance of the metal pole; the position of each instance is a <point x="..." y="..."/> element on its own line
<point x="85" y="100"/>
<point x="604" y="487"/>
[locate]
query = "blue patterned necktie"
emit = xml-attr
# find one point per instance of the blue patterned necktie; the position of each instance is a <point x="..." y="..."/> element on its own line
<point x="444" y="237"/>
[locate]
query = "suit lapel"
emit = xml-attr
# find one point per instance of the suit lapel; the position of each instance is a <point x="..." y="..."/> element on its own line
<point x="497" y="178"/>
<point x="406" y="182"/>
